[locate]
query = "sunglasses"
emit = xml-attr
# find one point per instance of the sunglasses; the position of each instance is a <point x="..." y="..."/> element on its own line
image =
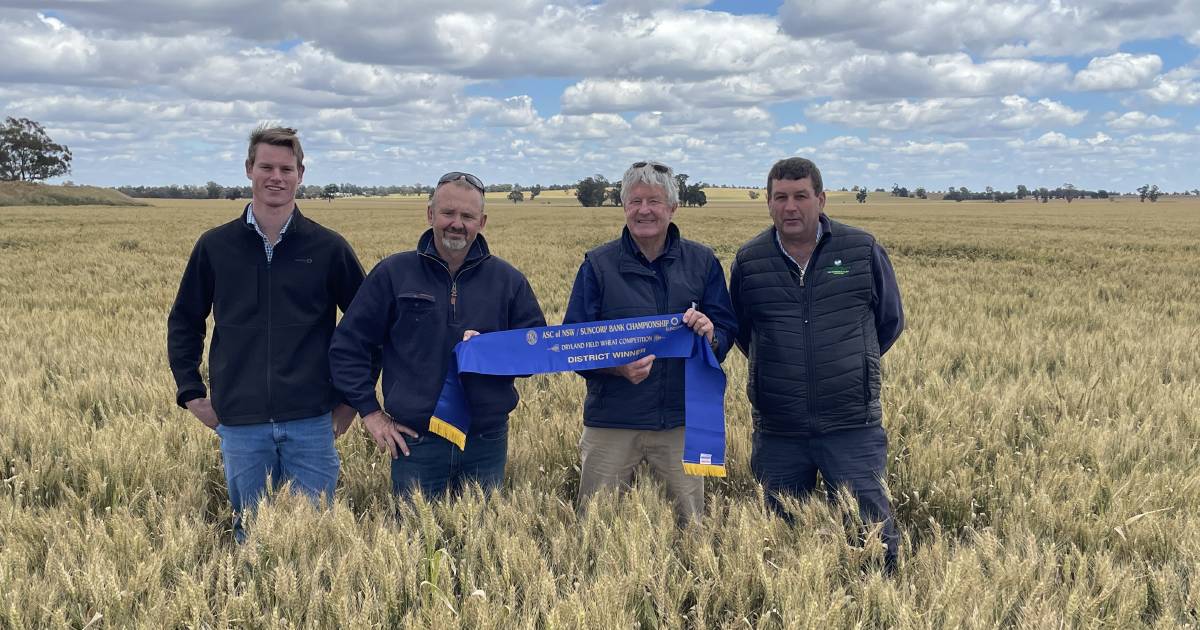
<point x="457" y="175"/>
<point x="661" y="168"/>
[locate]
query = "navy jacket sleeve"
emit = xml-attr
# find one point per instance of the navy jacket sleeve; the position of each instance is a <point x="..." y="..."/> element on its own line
<point x="524" y="310"/>
<point x="584" y="303"/>
<point x="186" y="326"/>
<point x="744" y="324"/>
<point x="358" y="342"/>
<point x="717" y="307"/>
<point x="345" y="278"/>
<point x="889" y="313"/>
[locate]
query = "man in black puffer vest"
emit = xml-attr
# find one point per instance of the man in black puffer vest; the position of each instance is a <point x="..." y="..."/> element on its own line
<point x="817" y="306"/>
<point x="635" y="412"/>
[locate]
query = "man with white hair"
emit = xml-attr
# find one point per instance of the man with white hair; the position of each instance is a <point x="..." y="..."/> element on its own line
<point x="414" y="307"/>
<point x="636" y="412"/>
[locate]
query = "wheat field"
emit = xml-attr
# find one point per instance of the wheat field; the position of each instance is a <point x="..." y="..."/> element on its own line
<point x="1043" y="409"/>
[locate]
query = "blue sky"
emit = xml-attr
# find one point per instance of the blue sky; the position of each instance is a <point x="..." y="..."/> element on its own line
<point x="1100" y="94"/>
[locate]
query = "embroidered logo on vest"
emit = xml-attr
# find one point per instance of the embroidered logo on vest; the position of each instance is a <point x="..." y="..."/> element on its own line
<point x="837" y="269"/>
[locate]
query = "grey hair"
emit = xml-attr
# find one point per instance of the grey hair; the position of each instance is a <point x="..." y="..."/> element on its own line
<point x="647" y="174"/>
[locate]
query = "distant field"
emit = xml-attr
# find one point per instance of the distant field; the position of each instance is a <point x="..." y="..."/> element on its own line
<point x="1042" y="409"/>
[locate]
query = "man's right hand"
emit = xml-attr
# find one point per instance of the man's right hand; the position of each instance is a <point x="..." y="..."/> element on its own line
<point x="388" y="433"/>
<point x="637" y="371"/>
<point x="202" y="409"/>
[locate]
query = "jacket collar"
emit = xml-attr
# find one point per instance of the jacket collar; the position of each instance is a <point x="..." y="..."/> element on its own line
<point x="824" y="229"/>
<point x="479" y="248"/>
<point x="296" y="226"/>
<point x="630" y="249"/>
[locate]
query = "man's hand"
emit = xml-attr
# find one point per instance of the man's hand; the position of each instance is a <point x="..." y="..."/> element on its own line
<point x="467" y="334"/>
<point x="202" y="409"/>
<point x="637" y="371"/>
<point x="699" y="323"/>
<point x="388" y="433"/>
<point x="343" y="415"/>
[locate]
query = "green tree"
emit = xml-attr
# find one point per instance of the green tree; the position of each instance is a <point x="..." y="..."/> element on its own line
<point x="614" y="194"/>
<point x="28" y="154"/>
<point x="590" y="191"/>
<point x="1022" y="191"/>
<point x="516" y="196"/>
<point x="920" y="193"/>
<point x="330" y="191"/>
<point x="213" y="189"/>
<point x="534" y="191"/>
<point x="862" y="195"/>
<point x="753" y="194"/>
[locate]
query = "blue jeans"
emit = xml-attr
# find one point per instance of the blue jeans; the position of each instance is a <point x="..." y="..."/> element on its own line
<point x="437" y="467"/>
<point x="855" y="459"/>
<point x="300" y="451"/>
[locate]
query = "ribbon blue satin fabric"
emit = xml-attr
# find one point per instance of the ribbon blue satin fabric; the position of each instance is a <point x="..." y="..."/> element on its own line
<point x="591" y="345"/>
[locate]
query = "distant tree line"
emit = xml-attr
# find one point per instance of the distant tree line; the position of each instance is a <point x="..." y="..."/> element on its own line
<point x="596" y="191"/>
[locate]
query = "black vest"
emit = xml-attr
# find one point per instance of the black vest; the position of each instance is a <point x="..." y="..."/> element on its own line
<point x="814" y="351"/>
<point x="629" y="289"/>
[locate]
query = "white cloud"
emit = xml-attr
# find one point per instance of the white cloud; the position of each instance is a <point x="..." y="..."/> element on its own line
<point x="1164" y="138"/>
<point x="1121" y="71"/>
<point x="592" y="126"/>
<point x="1177" y="87"/>
<point x="993" y="28"/>
<point x="845" y="142"/>
<point x="1137" y="120"/>
<point x="1054" y="140"/>
<point x="971" y="116"/>
<point x="932" y="148"/>
<point x="590" y="95"/>
<point x="148" y="91"/>
<point x="514" y="111"/>
<point x="909" y="74"/>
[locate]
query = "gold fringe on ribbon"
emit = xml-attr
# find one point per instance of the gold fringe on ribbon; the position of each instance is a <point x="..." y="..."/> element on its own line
<point x="704" y="470"/>
<point x="451" y="432"/>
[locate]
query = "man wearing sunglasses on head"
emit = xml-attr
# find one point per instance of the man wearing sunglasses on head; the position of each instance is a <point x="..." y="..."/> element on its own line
<point x="636" y="412"/>
<point x="413" y="308"/>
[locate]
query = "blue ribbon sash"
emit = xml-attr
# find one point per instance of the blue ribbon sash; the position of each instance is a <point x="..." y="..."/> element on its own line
<point x="591" y="345"/>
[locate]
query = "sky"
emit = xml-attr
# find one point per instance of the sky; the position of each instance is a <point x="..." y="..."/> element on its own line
<point x="1102" y="94"/>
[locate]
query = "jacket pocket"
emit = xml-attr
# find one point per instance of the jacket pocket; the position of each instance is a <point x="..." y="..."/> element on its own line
<point x="872" y="379"/>
<point x="414" y="307"/>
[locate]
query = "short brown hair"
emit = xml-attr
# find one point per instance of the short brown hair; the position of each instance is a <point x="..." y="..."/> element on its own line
<point x="795" y="168"/>
<point x="276" y="136"/>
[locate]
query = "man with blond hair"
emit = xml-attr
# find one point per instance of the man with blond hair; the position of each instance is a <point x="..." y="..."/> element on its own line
<point x="273" y="280"/>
